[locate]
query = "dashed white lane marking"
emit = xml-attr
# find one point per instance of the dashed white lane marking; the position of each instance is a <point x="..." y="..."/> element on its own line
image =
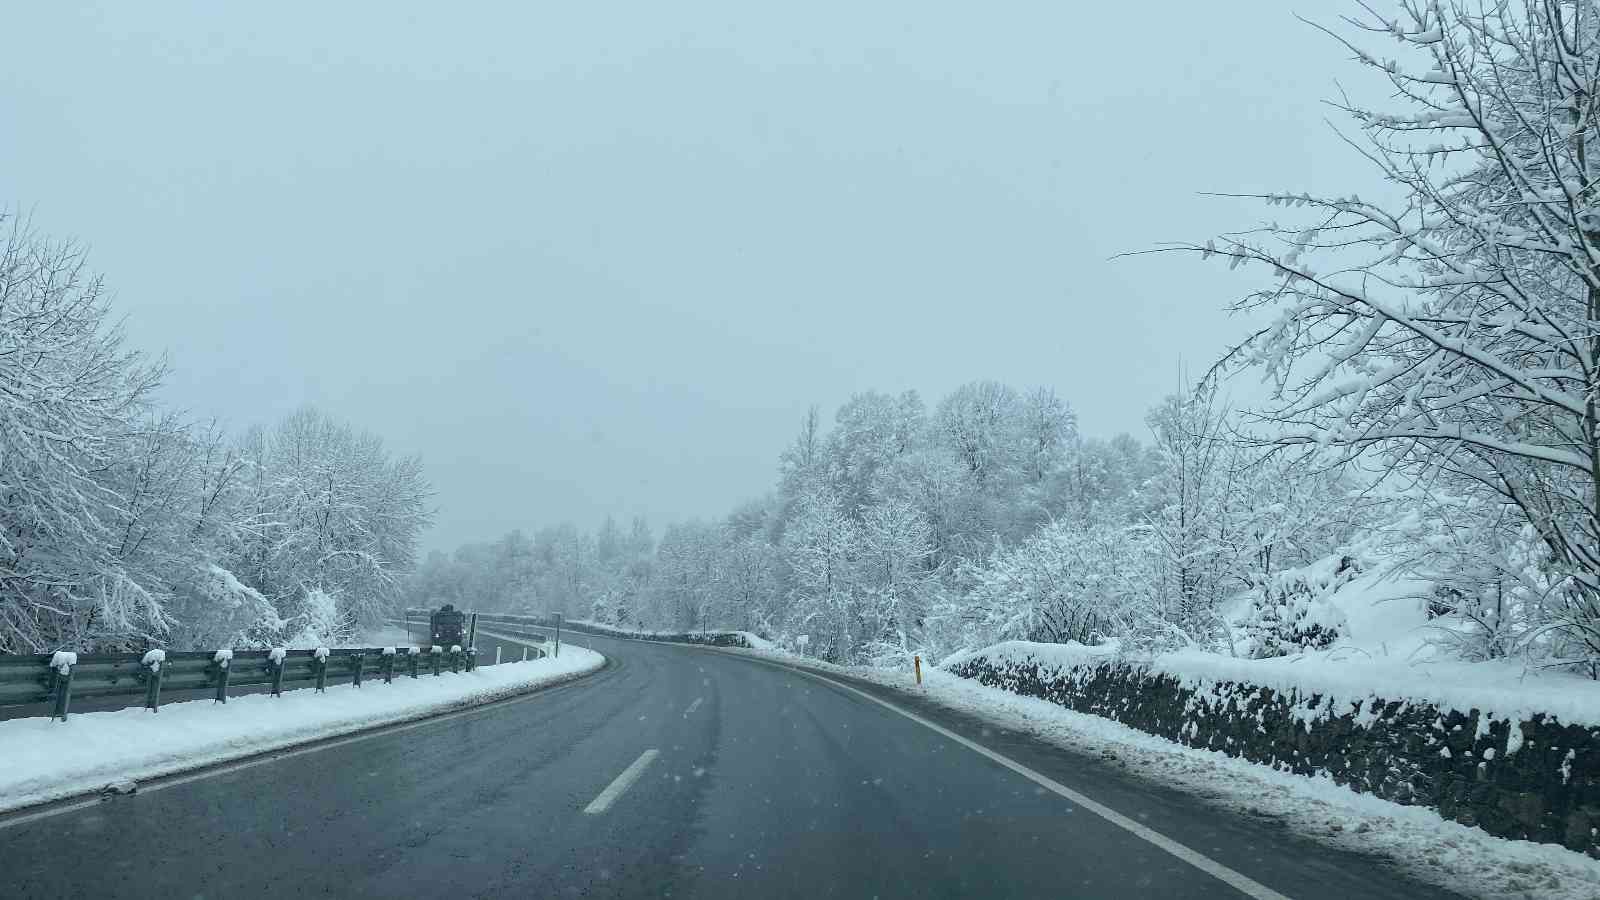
<point x="694" y="706"/>
<point x="1238" y="880"/>
<point x="624" y="781"/>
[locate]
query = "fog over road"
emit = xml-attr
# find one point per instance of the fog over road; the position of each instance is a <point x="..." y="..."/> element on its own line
<point x="676" y="771"/>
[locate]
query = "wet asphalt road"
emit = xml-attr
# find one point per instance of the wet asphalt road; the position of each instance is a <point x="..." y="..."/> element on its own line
<point x="765" y="783"/>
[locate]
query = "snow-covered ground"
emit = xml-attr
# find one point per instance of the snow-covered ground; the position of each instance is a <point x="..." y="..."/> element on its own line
<point x="47" y="760"/>
<point x="1445" y="853"/>
<point x="386" y="636"/>
<point x="1388" y="648"/>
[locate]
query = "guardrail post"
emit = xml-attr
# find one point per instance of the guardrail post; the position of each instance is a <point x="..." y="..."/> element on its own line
<point x="388" y="665"/>
<point x="275" y="664"/>
<point x="472" y="659"/>
<point x="152" y="685"/>
<point x="359" y="661"/>
<point x="61" y="665"/>
<point x="438" y="657"/>
<point x="63" y="695"/>
<point x="412" y="654"/>
<point x="223" y="661"/>
<point x="319" y="663"/>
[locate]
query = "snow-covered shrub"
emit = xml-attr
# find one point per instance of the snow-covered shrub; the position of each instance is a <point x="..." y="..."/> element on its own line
<point x="604" y="609"/>
<point x="216" y="609"/>
<point x="319" y="621"/>
<point x="1067" y="583"/>
<point x="1293" y="612"/>
<point x="1499" y="593"/>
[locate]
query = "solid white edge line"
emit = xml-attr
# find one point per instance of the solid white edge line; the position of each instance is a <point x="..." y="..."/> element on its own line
<point x="624" y="781"/>
<point x="1237" y="880"/>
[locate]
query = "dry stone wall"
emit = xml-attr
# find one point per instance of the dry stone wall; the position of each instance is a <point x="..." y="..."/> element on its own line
<point x="1530" y="778"/>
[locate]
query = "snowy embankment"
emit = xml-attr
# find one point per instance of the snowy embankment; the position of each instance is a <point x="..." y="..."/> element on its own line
<point x="1503" y="690"/>
<point x="712" y="637"/>
<point x="46" y="760"/>
<point x="385" y="636"/>
<point x="1415" y="838"/>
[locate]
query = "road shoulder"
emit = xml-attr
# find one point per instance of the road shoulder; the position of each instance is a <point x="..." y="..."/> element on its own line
<point x="65" y="765"/>
<point x="1120" y="766"/>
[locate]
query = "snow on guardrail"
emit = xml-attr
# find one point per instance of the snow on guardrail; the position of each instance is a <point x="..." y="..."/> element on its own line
<point x="46" y="760"/>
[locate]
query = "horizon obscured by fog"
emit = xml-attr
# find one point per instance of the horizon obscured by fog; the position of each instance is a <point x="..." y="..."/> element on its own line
<point x="596" y="262"/>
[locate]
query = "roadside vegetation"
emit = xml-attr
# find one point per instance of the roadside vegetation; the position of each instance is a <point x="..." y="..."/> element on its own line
<point x="1432" y="363"/>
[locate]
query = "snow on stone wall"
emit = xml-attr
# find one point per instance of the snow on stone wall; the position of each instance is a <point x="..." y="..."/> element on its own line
<point x="1526" y="775"/>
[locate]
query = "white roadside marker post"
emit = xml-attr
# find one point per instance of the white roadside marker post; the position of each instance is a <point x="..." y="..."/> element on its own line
<point x="497" y="654"/>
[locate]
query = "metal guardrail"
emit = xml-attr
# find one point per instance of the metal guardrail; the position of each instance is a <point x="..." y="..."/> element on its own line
<point x="556" y="623"/>
<point x="420" y="617"/>
<point x="511" y="626"/>
<point x="59" y="678"/>
<point x="528" y="626"/>
<point x="707" y="638"/>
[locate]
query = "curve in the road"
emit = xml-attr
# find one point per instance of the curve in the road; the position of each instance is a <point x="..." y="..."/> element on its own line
<point x="765" y="782"/>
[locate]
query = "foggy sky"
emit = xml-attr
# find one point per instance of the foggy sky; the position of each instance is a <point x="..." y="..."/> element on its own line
<point x="598" y="259"/>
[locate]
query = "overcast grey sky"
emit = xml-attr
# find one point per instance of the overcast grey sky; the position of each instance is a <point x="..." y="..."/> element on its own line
<point x="599" y="258"/>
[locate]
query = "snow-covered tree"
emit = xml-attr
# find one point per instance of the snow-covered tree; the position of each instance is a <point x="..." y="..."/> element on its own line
<point x="1191" y="530"/>
<point x="820" y="547"/>
<point x="1454" y="334"/>
<point x="123" y="525"/>
<point x="331" y="513"/>
<point x="895" y="544"/>
<point x="867" y="542"/>
<point x="749" y="583"/>
<point x="1069" y="582"/>
<point x="71" y="396"/>
<point x="872" y="431"/>
<point x="978" y="422"/>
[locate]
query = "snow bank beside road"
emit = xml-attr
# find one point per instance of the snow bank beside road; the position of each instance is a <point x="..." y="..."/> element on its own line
<point x="1416" y="838"/>
<point x="387" y="636"/>
<point x="47" y="760"/>
<point x="716" y="638"/>
<point x="1501" y="689"/>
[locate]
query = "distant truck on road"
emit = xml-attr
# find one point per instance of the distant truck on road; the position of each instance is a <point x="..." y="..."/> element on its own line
<point x="448" y="626"/>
